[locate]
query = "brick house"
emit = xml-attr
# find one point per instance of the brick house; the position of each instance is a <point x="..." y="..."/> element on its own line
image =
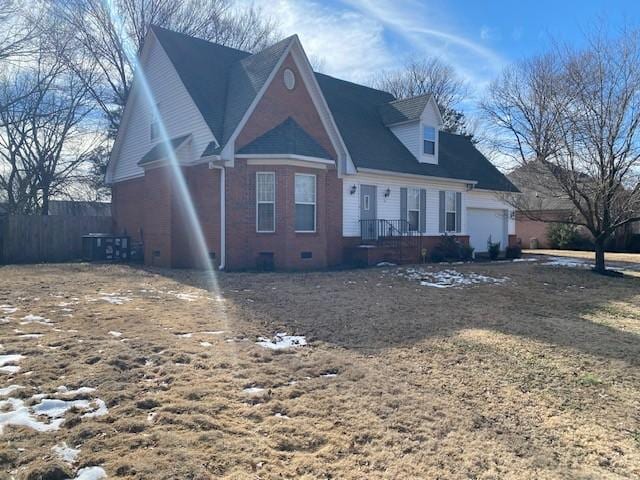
<point x="288" y="168"/>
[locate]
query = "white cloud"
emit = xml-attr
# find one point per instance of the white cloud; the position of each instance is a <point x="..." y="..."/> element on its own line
<point x="347" y="43"/>
<point x="485" y="33"/>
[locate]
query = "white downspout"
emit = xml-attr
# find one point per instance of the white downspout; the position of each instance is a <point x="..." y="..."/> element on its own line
<point x="223" y="219"/>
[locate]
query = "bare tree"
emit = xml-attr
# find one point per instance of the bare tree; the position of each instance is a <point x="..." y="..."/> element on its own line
<point x="98" y="52"/>
<point x="16" y="32"/>
<point x="575" y="115"/>
<point x="45" y="135"/>
<point x="429" y="76"/>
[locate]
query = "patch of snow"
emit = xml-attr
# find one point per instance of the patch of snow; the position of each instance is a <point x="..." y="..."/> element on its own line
<point x="185" y="335"/>
<point x="56" y="408"/>
<point x="115" y="334"/>
<point x="9" y="390"/>
<point x="280" y="415"/>
<point x="101" y="409"/>
<point x="65" y="392"/>
<point x="449" y="278"/>
<point x="115" y="300"/>
<point x="217" y="332"/>
<point x="516" y="260"/>
<point x="8" y="359"/>
<point x="385" y="264"/>
<point x="66" y="453"/>
<point x="8" y="308"/>
<point x="282" y="341"/>
<point x="253" y="390"/>
<point x="567" y="262"/>
<point x="189" y="297"/>
<point x="329" y="375"/>
<point x="151" y="416"/>
<point x="90" y="473"/>
<point x="205" y="344"/>
<point x="21" y="415"/>
<point x="35" y="319"/>
<point x="30" y="335"/>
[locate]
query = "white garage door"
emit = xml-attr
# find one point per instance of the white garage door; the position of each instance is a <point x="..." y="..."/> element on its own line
<point x="482" y="223"/>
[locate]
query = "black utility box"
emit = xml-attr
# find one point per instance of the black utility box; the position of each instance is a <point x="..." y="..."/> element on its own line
<point x="106" y="247"/>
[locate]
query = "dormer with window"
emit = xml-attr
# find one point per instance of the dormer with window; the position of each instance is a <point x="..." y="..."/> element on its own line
<point x="416" y="122"/>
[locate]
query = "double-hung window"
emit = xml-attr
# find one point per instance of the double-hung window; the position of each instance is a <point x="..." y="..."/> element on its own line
<point x="413" y="208"/>
<point x="450" y="211"/>
<point x="429" y="140"/>
<point x="305" y="199"/>
<point x="265" y="202"/>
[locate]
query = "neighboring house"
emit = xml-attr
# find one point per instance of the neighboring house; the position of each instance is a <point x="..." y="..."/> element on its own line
<point x="543" y="202"/>
<point x="291" y="168"/>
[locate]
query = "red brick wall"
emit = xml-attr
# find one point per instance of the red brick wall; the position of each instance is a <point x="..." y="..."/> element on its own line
<point x="243" y="242"/>
<point x="157" y="226"/>
<point x="278" y="103"/>
<point x="127" y="207"/>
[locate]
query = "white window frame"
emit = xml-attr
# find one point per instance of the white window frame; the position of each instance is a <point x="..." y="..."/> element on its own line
<point x="154" y="124"/>
<point x="367" y="202"/>
<point x="447" y="211"/>
<point x="314" y="203"/>
<point x="434" y="141"/>
<point x="272" y="202"/>
<point x="410" y="192"/>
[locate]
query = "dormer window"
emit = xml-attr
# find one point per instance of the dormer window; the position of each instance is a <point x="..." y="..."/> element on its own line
<point x="429" y="140"/>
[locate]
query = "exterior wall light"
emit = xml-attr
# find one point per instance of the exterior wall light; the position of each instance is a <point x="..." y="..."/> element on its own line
<point x="469" y="187"/>
<point x="353" y="189"/>
<point x="387" y="192"/>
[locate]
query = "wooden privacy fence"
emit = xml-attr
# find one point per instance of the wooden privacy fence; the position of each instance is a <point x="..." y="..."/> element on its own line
<point x="53" y="238"/>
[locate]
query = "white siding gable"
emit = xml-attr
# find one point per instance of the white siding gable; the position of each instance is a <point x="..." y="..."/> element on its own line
<point x="410" y="136"/>
<point x="178" y="111"/>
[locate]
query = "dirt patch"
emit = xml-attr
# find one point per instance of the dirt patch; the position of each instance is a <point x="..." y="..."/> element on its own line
<point x="534" y="377"/>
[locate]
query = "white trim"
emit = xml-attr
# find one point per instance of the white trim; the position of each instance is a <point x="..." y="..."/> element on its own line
<point x="314" y="203"/>
<point x="273" y="202"/>
<point x="387" y="173"/>
<point x="223" y="218"/>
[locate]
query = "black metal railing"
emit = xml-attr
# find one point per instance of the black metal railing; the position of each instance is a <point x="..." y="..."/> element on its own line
<point x="377" y="230"/>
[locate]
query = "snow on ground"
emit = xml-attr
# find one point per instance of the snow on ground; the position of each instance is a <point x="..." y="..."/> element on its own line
<point x="90" y="473"/>
<point x="8" y="308"/>
<point x="15" y="411"/>
<point x="115" y="334"/>
<point x="517" y="260"/>
<point x="35" y="319"/>
<point x="114" y="298"/>
<point x="253" y="390"/>
<point x="9" y="390"/>
<point x="217" y="332"/>
<point x="448" y="278"/>
<point x="282" y="341"/>
<point x="205" y="344"/>
<point x="567" y="262"/>
<point x="66" y="453"/>
<point x="10" y="359"/>
<point x="189" y="297"/>
<point x="185" y="335"/>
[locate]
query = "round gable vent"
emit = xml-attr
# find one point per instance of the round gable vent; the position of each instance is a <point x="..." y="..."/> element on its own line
<point x="289" y="79"/>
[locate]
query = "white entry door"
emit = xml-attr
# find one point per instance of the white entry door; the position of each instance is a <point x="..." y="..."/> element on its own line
<point x="483" y="223"/>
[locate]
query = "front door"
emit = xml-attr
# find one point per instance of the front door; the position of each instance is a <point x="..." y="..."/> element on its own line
<point x="368" y="223"/>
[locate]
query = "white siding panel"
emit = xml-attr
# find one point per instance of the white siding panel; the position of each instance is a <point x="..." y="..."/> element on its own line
<point x="389" y="207"/>
<point x="410" y="136"/>
<point x="179" y="114"/>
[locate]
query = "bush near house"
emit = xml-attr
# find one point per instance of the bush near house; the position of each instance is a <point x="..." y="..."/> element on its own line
<point x="493" y="249"/>
<point x="450" y="249"/>
<point x="565" y="236"/>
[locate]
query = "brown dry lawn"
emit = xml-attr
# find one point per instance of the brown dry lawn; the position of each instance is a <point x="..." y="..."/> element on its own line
<point x="534" y="378"/>
<point x="609" y="256"/>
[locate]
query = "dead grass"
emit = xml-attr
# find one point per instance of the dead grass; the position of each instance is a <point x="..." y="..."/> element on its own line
<point x="534" y="378"/>
<point x="609" y="256"/>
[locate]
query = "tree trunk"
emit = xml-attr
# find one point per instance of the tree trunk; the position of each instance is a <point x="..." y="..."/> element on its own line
<point x="45" y="203"/>
<point x="599" y="248"/>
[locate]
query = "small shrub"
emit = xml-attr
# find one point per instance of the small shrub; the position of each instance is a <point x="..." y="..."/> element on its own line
<point x="466" y="252"/>
<point x="493" y="249"/>
<point x="564" y="236"/>
<point x="514" y="252"/>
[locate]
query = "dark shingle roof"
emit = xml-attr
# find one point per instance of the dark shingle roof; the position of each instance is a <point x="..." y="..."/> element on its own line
<point x="204" y="68"/>
<point x="217" y="76"/>
<point x="286" y="138"/>
<point x="372" y="145"/>
<point x="161" y="150"/>
<point x="403" y="110"/>
<point x="540" y="189"/>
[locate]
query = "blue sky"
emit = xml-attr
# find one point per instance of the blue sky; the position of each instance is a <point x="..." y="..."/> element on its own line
<point x="356" y="38"/>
